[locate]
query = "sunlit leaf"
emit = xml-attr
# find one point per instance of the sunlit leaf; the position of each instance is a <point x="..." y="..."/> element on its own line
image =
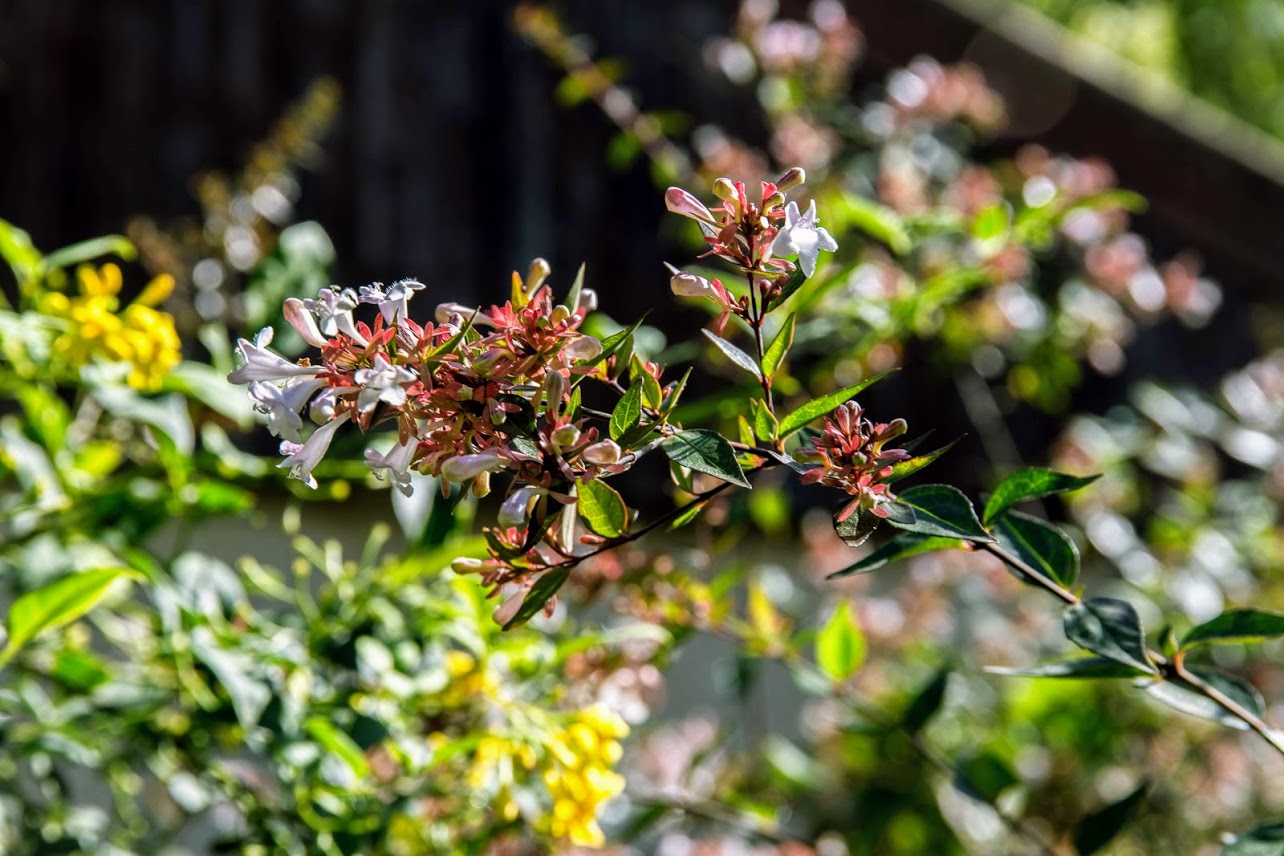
<point x="602" y="509"/>
<point x="1031" y="483"/>
<point x="1083" y="667"/>
<point x="1111" y="628"/>
<point x="840" y="646"/>
<point x="705" y="451"/>
<point x="941" y="510"/>
<point x="1182" y="696"/>
<point x="908" y="467"/>
<point x="825" y="404"/>
<point x="1236" y="625"/>
<point x="779" y="347"/>
<point x="545" y="587"/>
<point x="627" y="412"/>
<point x="56" y="604"/>
<point x="1042" y="546"/>
<point x="734" y="354"/>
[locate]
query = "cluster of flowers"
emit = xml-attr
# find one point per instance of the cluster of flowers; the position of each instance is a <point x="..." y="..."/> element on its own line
<point x="96" y="327"/>
<point x="851" y="456"/>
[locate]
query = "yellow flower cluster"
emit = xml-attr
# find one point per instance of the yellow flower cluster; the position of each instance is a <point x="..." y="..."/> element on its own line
<point x="97" y="327"/>
<point x="582" y="774"/>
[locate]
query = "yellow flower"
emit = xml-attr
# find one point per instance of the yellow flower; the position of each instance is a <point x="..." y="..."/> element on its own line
<point x="96" y="327"/>
<point x="582" y="775"/>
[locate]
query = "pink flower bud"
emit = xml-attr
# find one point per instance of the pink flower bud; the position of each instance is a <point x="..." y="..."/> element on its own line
<point x="554" y="389"/>
<point x="467" y="565"/>
<point x="691" y="285"/>
<point x="515" y="510"/>
<point x="602" y="454"/>
<point x="508" y="609"/>
<point x="303" y="321"/>
<point x="679" y="201"/>
<point x="791" y="178"/>
<point x="462" y="468"/>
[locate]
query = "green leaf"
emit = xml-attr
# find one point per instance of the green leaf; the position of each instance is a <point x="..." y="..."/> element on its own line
<point x="627" y="412"/>
<point x="779" y="346"/>
<point x="84" y="251"/>
<point x="1237" y="626"/>
<point x="1040" y="545"/>
<point x="856" y="528"/>
<point x="1031" y="483"/>
<point x="1179" y="695"/>
<point x="840" y="646"/>
<point x="825" y="404"/>
<point x="1083" y="667"/>
<point x="925" y="705"/>
<point x="984" y="776"/>
<point x="765" y="425"/>
<point x="991" y="223"/>
<point x="1266" y="839"/>
<point x="58" y="603"/>
<point x="602" y="509"/>
<point x="907" y="468"/>
<point x="877" y="221"/>
<point x="795" y="282"/>
<point x="1097" y="829"/>
<point x="1111" y="628"/>
<point x="545" y="587"/>
<point x="734" y="354"/>
<point x="904" y="545"/>
<point x="18" y="251"/>
<point x="573" y="296"/>
<point x="331" y="739"/>
<point x="939" y="509"/>
<point x="707" y="452"/>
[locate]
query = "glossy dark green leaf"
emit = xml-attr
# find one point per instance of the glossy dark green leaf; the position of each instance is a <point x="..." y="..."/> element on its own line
<point x="941" y="510"/>
<point x="627" y="412"/>
<point x="735" y="354"/>
<point x="984" y="776"/>
<point x="928" y="701"/>
<point x="856" y="527"/>
<point x="907" y="468"/>
<point x="902" y="546"/>
<point x="1237" y="625"/>
<point x="1097" y="829"/>
<point x="1083" y="667"/>
<point x="549" y="583"/>
<point x="1031" y="483"/>
<point x="1181" y="696"/>
<point x="1266" y="839"/>
<point x="779" y="347"/>
<point x="825" y="405"/>
<point x="1111" y="628"/>
<point x="795" y="282"/>
<point x="705" y="451"/>
<point x="1039" y="544"/>
<point x="602" y="509"/>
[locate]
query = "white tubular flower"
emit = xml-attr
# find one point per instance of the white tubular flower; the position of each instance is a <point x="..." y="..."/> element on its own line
<point x="303" y="459"/>
<point x="333" y="309"/>
<point x="802" y="236"/>
<point x="692" y="285"/>
<point x="302" y="321"/>
<point x="382" y="382"/>
<point x="462" y="468"/>
<point x="603" y="453"/>
<point x="263" y="364"/>
<point x="587" y="300"/>
<point x="513" y="512"/>
<point x="393" y="301"/>
<point x="397" y="462"/>
<point x="282" y="405"/>
<point x="459" y="314"/>
<point x="584" y="348"/>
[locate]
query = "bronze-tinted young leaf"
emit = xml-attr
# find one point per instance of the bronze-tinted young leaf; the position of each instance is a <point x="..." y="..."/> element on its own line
<point x="825" y="404"/>
<point x="1083" y="667"/>
<point x="1031" y="483"/>
<point x="940" y="510"/>
<point x="734" y="354"/>
<point x="775" y="353"/>
<point x="627" y="412"/>
<point x="545" y="587"/>
<point x="928" y="701"/>
<point x="707" y="452"/>
<point x="902" y="546"/>
<point x="1237" y="625"/>
<point x="602" y="509"/>
<point x="1111" y="628"/>
<point x="1098" y="828"/>
<point x="907" y="468"/>
<point x="1264" y="840"/>
<point x="1040" y="545"/>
